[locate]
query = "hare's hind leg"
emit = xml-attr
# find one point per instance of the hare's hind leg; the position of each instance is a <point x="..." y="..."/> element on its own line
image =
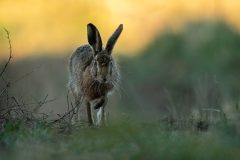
<point x="77" y="102"/>
<point x="78" y="110"/>
<point x="101" y="114"/>
<point x="76" y="115"/>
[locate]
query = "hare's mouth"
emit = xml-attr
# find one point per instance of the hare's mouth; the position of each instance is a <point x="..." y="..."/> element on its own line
<point x="102" y="81"/>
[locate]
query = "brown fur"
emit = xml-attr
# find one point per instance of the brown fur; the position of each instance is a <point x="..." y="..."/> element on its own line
<point x="93" y="73"/>
<point x="93" y="89"/>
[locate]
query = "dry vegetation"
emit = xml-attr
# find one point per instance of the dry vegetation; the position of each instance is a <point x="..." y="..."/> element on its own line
<point x="14" y="110"/>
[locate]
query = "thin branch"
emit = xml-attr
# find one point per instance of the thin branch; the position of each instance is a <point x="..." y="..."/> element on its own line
<point x="25" y="75"/>
<point x="71" y="111"/>
<point x="40" y="104"/>
<point x="10" y="52"/>
<point x="3" y="91"/>
<point x="63" y="116"/>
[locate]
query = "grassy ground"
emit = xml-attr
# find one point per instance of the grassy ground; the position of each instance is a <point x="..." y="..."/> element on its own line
<point x="122" y="140"/>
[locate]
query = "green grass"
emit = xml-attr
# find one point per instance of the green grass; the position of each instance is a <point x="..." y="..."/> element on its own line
<point x="123" y="140"/>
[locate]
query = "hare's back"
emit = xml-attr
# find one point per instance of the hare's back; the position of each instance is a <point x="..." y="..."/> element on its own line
<point x="83" y="53"/>
<point x="81" y="56"/>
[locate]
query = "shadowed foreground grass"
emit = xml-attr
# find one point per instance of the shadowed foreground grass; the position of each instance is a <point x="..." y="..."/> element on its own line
<point x="123" y="140"/>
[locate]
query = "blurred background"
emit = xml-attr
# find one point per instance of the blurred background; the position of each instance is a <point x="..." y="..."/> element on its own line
<point x="176" y="56"/>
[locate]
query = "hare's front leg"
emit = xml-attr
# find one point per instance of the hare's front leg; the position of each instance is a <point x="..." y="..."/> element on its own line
<point x="101" y="114"/>
<point x="89" y="113"/>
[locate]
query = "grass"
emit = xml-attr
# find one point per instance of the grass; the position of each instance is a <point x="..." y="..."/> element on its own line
<point x="121" y="140"/>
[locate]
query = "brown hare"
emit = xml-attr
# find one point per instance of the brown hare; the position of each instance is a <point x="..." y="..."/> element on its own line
<point x="93" y="73"/>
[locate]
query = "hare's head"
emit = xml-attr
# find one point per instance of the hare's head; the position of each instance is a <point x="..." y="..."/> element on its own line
<point x="102" y="64"/>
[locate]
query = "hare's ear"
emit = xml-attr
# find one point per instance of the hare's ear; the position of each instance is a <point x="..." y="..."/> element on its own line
<point x="113" y="39"/>
<point x="94" y="38"/>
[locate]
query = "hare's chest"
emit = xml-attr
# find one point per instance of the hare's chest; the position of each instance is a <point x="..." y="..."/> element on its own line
<point x="96" y="90"/>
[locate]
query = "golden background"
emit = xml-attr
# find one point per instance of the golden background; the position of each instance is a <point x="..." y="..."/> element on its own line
<point x="57" y="27"/>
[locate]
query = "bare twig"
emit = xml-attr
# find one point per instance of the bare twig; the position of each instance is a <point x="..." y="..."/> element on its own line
<point x="63" y="116"/>
<point x="70" y="113"/>
<point x="40" y="103"/>
<point x="26" y="75"/>
<point x="3" y="91"/>
<point x="18" y="105"/>
<point x="10" y="52"/>
<point x="37" y="103"/>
